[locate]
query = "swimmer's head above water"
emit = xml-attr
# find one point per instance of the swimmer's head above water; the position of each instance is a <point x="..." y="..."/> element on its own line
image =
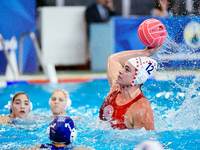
<point x="59" y="102"/>
<point x="144" y="67"/>
<point x="62" y="130"/>
<point x="19" y="105"/>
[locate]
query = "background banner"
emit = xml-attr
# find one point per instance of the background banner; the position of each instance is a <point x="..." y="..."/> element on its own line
<point x="18" y="17"/>
<point x="181" y="49"/>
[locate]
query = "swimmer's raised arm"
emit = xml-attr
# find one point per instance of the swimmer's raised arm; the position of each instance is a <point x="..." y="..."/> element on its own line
<point x="117" y="60"/>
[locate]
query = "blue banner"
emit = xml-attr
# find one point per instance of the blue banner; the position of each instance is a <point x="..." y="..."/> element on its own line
<point x="181" y="47"/>
<point x="18" y="17"/>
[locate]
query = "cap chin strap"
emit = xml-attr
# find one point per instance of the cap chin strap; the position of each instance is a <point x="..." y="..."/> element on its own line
<point x="127" y="86"/>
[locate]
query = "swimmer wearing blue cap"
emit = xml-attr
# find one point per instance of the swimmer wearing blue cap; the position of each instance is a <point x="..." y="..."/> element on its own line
<point x="59" y="102"/>
<point x="62" y="133"/>
<point x="19" y="106"/>
<point x="126" y="107"/>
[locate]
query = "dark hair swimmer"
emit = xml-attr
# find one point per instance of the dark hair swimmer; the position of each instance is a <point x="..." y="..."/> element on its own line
<point x="126" y="107"/>
<point x="19" y="107"/>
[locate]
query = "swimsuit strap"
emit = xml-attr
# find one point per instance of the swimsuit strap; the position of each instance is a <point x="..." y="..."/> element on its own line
<point x="141" y="95"/>
<point x="134" y="100"/>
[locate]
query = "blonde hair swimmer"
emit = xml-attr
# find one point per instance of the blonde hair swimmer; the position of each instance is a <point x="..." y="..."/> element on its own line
<point x="60" y="102"/>
<point x="19" y="106"/>
<point x="126" y="107"/>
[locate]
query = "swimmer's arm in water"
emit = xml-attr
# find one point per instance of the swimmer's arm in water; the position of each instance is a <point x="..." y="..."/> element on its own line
<point x="116" y="61"/>
<point x="32" y="117"/>
<point x="4" y="119"/>
<point x="29" y="148"/>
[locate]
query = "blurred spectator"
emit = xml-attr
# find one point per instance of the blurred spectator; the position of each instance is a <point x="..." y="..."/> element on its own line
<point x="98" y="12"/>
<point x="186" y="7"/>
<point x="162" y="8"/>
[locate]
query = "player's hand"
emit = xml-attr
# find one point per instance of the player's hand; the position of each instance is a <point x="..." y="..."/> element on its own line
<point x="153" y="50"/>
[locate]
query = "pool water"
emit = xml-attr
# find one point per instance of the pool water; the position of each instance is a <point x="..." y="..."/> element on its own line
<point x="175" y="104"/>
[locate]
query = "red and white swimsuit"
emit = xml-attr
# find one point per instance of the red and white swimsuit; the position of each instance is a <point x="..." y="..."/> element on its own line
<point x="113" y="113"/>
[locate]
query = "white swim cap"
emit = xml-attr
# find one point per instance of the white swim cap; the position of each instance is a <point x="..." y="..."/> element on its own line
<point x="145" y="67"/>
<point x="149" y="145"/>
<point x="69" y="102"/>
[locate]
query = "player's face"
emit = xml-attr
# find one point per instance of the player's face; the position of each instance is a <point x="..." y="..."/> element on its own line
<point x="58" y="102"/>
<point x="20" y="106"/>
<point x="126" y="74"/>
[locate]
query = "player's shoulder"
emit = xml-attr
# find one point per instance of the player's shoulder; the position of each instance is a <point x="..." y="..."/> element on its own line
<point x="141" y="104"/>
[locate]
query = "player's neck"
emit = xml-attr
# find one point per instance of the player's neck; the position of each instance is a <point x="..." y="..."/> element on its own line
<point x="59" y="144"/>
<point x="131" y="92"/>
<point x="60" y="114"/>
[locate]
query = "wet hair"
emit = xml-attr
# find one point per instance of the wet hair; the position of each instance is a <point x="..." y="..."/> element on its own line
<point x="19" y="93"/>
<point x="59" y="90"/>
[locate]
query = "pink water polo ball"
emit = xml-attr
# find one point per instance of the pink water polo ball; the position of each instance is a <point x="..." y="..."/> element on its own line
<point x="152" y="32"/>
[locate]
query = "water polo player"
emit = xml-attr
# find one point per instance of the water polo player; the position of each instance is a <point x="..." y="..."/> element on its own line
<point x="126" y="107"/>
<point x="61" y="132"/>
<point x="59" y="102"/>
<point x="19" y="106"/>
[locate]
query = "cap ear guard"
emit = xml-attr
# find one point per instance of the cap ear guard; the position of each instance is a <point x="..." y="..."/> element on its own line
<point x="73" y="135"/>
<point x="50" y="101"/>
<point x="9" y="106"/>
<point x="68" y="104"/>
<point x="141" y="78"/>
<point x="31" y="105"/>
<point x="48" y="132"/>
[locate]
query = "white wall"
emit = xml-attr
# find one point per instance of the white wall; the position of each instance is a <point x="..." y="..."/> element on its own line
<point x="63" y="35"/>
